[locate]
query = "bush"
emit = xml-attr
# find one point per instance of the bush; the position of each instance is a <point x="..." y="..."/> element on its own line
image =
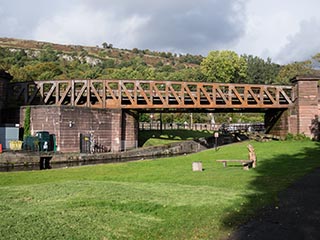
<point x="296" y="137"/>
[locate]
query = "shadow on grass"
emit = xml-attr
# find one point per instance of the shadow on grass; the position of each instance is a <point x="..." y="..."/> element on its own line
<point x="292" y="214"/>
<point x="180" y="134"/>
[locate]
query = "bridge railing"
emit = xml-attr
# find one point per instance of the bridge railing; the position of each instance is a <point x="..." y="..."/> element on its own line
<point x="137" y="94"/>
<point x="230" y="127"/>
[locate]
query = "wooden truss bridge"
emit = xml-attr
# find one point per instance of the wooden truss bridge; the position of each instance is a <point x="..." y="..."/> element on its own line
<point x="144" y="95"/>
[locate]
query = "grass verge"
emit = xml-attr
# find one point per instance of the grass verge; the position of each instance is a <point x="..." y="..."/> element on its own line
<point x="156" y="199"/>
<point x="156" y="137"/>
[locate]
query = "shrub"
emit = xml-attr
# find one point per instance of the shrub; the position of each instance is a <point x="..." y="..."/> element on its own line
<point x="296" y="137"/>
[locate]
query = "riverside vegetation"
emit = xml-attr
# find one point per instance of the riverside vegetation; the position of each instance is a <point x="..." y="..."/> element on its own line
<point x="151" y="199"/>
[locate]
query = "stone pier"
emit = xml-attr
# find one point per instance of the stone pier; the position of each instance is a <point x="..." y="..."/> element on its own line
<point x="303" y="116"/>
<point x="114" y="130"/>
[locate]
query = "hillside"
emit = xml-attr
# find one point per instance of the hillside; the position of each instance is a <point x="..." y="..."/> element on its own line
<point x="29" y="60"/>
<point x="35" y="60"/>
<point x="106" y="52"/>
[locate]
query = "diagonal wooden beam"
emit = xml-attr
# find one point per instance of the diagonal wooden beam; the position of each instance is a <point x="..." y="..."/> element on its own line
<point x="174" y="93"/>
<point x="211" y="99"/>
<point x="64" y="95"/>
<point x="222" y="95"/>
<point x="79" y="94"/>
<point x="49" y="94"/>
<point x="143" y="94"/>
<point x="31" y="98"/>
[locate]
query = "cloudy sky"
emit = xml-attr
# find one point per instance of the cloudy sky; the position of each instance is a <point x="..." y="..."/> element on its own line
<point x="285" y="31"/>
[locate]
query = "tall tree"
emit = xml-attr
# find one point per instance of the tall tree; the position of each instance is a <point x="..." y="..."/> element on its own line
<point x="224" y="66"/>
<point x="289" y="71"/>
<point x="260" y="71"/>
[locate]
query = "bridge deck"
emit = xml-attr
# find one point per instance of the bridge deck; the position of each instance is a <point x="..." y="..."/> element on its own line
<point x="137" y="94"/>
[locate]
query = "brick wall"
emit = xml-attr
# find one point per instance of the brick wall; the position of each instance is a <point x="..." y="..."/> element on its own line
<point x="67" y="123"/>
<point x="277" y="122"/>
<point x="116" y="130"/>
<point x="303" y="116"/>
<point x="307" y="105"/>
<point x="130" y="129"/>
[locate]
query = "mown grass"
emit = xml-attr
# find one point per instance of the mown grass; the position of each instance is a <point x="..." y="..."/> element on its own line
<point x="156" y="199"/>
<point x="156" y="137"/>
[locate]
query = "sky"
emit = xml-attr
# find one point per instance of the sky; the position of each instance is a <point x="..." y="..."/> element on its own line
<point x="285" y="31"/>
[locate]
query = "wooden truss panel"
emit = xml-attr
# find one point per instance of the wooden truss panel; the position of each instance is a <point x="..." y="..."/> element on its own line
<point x="138" y="94"/>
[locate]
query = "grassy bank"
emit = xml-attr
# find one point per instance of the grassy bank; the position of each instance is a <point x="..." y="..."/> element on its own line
<point x="159" y="199"/>
<point x="156" y="138"/>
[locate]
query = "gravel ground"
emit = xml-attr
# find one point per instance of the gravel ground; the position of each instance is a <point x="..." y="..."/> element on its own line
<point x="297" y="216"/>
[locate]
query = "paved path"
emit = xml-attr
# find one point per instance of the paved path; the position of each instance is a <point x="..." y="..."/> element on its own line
<point x="296" y="218"/>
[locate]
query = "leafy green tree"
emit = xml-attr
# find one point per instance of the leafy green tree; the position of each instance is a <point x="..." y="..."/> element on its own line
<point x="105" y="45"/>
<point x="289" y="71"/>
<point x="188" y="58"/>
<point x="159" y="64"/>
<point x="48" y="54"/>
<point x="108" y="63"/>
<point x="187" y="74"/>
<point x="92" y="73"/>
<point x="166" y="68"/>
<point x="260" y="71"/>
<point x="19" y="74"/>
<point x="21" y="58"/>
<point x="224" y="66"/>
<point x="48" y="70"/>
<point x="144" y="117"/>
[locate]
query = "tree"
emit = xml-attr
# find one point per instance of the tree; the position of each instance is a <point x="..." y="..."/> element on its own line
<point x="135" y="50"/>
<point x="43" y="71"/>
<point x="289" y="71"/>
<point x="260" y="71"/>
<point x="105" y="45"/>
<point x="224" y="66"/>
<point x="19" y="74"/>
<point x="48" y="54"/>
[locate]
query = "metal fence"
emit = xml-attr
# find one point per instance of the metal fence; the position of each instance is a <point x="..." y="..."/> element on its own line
<point x="232" y="127"/>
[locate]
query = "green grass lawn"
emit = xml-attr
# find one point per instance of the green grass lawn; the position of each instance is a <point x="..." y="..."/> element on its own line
<point x="156" y="199"/>
<point x="155" y="137"/>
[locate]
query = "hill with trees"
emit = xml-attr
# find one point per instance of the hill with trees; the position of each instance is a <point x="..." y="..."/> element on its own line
<point x="28" y="60"/>
<point x="34" y="60"/>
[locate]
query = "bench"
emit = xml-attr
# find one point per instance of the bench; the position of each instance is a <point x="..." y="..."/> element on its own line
<point x="245" y="163"/>
<point x="250" y="163"/>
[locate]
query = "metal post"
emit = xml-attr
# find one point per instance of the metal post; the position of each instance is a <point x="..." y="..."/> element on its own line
<point x="216" y="136"/>
<point x="161" y="123"/>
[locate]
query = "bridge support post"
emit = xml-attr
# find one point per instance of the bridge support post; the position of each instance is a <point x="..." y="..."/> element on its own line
<point x="129" y="130"/>
<point x="112" y="129"/>
<point x="276" y="122"/>
<point x="306" y="106"/>
<point x="303" y="116"/>
<point x="125" y="131"/>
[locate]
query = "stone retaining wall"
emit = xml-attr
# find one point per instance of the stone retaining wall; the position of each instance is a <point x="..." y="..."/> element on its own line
<point x="23" y="159"/>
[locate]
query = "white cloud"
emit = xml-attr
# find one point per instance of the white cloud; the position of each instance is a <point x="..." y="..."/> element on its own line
<point x="86" y="26"/>
<point x="302" y="45"/>
<point x="182" y="25"/>
<point x="270" y="25"/>
<point x="264" y="28"/>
